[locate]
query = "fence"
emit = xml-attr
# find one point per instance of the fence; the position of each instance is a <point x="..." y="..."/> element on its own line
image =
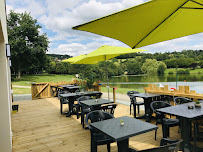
<point x="40" y="90"/>
<point x="47" y="89"/>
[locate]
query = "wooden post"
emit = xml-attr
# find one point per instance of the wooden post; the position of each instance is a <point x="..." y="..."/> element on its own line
<point x="114" y="94"/>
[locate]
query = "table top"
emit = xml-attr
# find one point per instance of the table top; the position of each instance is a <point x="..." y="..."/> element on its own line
<point x="66" y="85"/>
<point x="117" y="132"/>
<point x="183" y="111"/>
<point x="69" y="86"/>
<point x="145" y="95"/>
<point x="79" y="94"/>
<point x="96" y="102"/>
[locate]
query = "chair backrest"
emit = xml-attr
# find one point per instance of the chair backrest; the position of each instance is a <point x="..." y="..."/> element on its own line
<point x="82" y="99"/>
<point x="109" y="108"/>
<point x="132" y="99"/>
<point x="181" y="100"/>
<point x="131" y="92"/>
<point x="96" y="116"/>
<point x="158" y="104"/>
<point x="173" y="147"/>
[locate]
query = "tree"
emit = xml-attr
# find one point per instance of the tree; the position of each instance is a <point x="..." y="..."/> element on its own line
<point x="150" y="66"/>
<point x="161" y="68"/>
<point x="133" y="67"/>
<point x="28" y="47"/>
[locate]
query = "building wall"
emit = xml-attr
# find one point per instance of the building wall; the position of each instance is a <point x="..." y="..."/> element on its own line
<point x="5" y="96"/>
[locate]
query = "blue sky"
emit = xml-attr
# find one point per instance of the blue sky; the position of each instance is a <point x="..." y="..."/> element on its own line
<point x="57" y="17"/>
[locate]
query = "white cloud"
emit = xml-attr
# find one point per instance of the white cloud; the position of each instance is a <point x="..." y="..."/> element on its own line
<point x="59" y="16"/>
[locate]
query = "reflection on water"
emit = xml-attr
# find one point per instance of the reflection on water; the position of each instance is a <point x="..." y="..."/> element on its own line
<point x="195" y="81"/>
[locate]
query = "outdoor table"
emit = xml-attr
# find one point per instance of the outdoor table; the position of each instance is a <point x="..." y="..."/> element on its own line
<point x="92" y="103"/>
<point x="147" y="101"/>
<point x="186" y="116"/>
<point x="73" y="96"/>
<point x="122" y="133"/>
<point x="70" y="88"/>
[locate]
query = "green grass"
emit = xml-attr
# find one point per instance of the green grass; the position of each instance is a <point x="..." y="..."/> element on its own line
<point x="21" y="90"/>
<point x="120" y="90"/>
<point x="195" y="71"/>
<point x="27" y="79"/>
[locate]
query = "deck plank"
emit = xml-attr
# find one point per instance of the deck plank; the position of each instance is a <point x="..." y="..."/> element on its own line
<point x="39" y="126"/>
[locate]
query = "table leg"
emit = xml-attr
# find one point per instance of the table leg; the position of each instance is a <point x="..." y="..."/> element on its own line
<point x="123" y="145"/>
<point x="185" y="134"/>
<point x="70" y="104"/>
<point x="146" y="116"/>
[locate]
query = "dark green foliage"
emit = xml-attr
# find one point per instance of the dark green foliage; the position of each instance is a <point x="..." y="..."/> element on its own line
<point x="170" y="72"/>
<point x="182" y="71"/>
<point x="28" y="47"/>
<point x="133" y="67"/>
<point x="201" y="63"/>
<point x="161" y="68"/>
<point x="179" y="62"/>
<point x="59" y="57"/>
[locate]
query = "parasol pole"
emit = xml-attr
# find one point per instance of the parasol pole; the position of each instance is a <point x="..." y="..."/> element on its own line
<point x="107" y="78"/>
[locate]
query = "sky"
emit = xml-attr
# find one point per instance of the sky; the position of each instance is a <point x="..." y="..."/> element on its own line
<point x="57" y="17"/>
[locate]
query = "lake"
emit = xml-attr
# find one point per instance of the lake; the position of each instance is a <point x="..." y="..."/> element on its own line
<point x="195" y="81"/>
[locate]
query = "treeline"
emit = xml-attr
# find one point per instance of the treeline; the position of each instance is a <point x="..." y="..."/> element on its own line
<point x="133" y="64"/>
<point x="59" y="56"/>
<point x="195" y="54"/>
<point x="183" y="59"/>
<point x="85" y="71"/>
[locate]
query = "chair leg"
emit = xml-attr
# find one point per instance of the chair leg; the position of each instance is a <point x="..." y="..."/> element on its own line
<point x="195" y="137"/>
<point x="61" y="108"/>
<point x="130" y="108"/>
<point x="82" y="120"/>
<point x="108" y="147"/>
<point x="134" y="108"/>
<point x="164" y="131"/>
<point x="155" y="131"/>
<point x="138" y="109"/>
<point x="93" y="145"/>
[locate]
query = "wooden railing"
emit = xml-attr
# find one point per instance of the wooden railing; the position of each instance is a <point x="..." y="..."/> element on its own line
<point x="47" y="89"/>
<point x="182" y="91"/>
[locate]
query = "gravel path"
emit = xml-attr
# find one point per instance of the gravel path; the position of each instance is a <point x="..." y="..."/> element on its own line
<point x="17" y="86"/>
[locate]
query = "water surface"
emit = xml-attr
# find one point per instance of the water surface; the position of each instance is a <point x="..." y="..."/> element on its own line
<point x="195" y="81"/>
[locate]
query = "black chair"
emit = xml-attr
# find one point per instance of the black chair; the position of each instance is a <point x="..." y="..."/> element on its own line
<point x="160" y="118"/>
<point x="62" y="92"/>
<point x="133" y="102"/>
<point x="166" y="145"/>
<point x="197" y="134"/>
<point x="84" y="109"/>
<point x="167" y="98"/>
<point x="181" y="100"/>
<point x="109" y="108"/>
<point x="62" y="100"/>
<point x="98" y="138"/>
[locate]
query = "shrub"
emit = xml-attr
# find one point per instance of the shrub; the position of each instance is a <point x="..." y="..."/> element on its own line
<point x="182" y="71"/>
<point x="170" y="72"/>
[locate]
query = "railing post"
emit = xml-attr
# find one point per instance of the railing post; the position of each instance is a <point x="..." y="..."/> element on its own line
<point x="114" y="94"/>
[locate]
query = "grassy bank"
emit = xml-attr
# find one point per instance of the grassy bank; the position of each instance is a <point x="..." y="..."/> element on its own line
<point x="27" y="79"/>
<point x="120" y="90"/>
<point x="195" y="71"/>
<point x="21" y="90"/>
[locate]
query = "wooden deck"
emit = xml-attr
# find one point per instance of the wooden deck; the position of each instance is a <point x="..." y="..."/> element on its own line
<point x="38" y="126"/>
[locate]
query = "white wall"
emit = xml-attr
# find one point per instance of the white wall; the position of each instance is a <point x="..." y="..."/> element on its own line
<point x="5" y="97"/>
